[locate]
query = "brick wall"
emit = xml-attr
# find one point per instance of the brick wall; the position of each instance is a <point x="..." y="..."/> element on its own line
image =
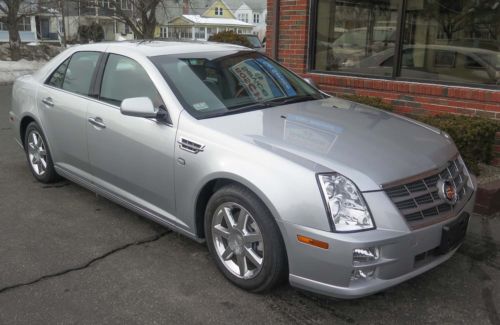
<point x="406" y="97"/>
<point x="417" y="98"/>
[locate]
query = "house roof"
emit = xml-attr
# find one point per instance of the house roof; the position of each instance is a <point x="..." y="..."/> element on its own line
<point x="255" y="5"/>
<point x="197" y="19"/>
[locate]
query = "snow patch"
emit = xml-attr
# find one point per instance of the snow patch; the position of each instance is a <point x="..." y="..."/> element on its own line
<point x="10" y="70"/>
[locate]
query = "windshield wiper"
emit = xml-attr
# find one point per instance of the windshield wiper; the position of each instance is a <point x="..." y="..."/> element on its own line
<point x="289" y="100"/>
<point x="264" y="104"/>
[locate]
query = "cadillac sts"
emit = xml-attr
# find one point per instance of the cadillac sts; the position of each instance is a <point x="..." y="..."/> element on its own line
<point x="228" y="147"/>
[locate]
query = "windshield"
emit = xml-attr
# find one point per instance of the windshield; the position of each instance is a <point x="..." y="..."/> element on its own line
<point x="212" y="84"/>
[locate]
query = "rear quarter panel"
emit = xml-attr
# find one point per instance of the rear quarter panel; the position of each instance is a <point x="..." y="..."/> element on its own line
<point x="24" y="94"/>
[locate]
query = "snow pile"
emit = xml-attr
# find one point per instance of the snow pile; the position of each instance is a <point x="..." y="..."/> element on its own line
<point x="32" y="51"/>
<point x="10" y="70"/>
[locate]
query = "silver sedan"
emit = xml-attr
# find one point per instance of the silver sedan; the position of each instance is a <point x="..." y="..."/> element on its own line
<point x="227" y="147"/>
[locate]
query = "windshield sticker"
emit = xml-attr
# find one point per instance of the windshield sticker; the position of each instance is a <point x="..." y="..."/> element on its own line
<point x="254" y="81"/>
<point x="278" y="76"/>
<point x="200" y="106"/>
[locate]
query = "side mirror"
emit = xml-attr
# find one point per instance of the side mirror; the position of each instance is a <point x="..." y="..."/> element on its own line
<point x="139" y="107"/>
<point x="311" y="82"/>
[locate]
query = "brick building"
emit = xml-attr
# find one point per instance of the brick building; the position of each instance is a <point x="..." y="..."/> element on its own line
<point x="420" y="55"/>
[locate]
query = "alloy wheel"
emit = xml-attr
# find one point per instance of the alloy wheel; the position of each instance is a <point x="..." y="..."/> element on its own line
<point x="37" y="153"/>
<point x="238" y="240"/>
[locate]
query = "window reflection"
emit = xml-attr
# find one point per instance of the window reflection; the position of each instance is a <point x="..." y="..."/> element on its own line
<point x="442" y="40"/>
<point x="350" y="31"/>
<point x="453" y="40"/>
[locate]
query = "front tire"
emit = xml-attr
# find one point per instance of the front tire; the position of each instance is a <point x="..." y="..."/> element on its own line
<point x="244" y="239"/>
<point x="38" y="155"/>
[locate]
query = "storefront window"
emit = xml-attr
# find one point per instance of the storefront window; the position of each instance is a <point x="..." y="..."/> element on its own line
<point x="350" y="32"/>
<point x="450" y="41"/>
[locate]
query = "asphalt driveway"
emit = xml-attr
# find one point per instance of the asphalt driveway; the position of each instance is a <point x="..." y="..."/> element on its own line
<point x="68" y="256"/>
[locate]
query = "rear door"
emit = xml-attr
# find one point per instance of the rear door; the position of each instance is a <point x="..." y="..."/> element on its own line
<point x="62" y="102"/>
<point x="131" y="157"/>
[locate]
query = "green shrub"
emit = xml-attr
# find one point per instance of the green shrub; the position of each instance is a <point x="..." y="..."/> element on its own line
<point x="474" y="136"/>
<point x="230" y="37"/>
<point x="370" y="101"/>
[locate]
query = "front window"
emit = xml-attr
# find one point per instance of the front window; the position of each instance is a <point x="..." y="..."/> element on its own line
<point x="220" y="83"/>
<point x="256" y="18"/>
<point x="451" y="41"/>
<point x="125" y="5"/>
<point x="163" y="32"/>
<point x="199" y="33"/>
<point x="243" y="17"/>
<point x="180" y="32"/>
<point x="125" y="78"/>
<point x="24" y="24"/>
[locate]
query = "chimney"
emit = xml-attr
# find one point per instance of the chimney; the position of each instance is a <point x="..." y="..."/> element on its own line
<point x="185" y="7"/>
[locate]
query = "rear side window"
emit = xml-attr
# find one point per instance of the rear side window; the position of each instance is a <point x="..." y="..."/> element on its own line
<point x="125" y="78"/>
<point x="57" y="77"/>
<point x="79" y="73"/>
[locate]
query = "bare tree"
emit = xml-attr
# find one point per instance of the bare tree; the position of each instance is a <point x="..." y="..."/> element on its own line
<point x="12" y="12"/>
<point x="141" y="18"/>
<point x="139" y="15"/>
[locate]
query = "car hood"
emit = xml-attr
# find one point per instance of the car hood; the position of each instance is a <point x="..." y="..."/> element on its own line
<point x="367" y="145"/>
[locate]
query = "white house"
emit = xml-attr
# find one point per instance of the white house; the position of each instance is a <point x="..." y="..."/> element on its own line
<point x="251" y="11"/>
<point x="216" y="18"/>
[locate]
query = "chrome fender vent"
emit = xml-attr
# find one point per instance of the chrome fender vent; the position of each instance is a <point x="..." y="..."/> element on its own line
<point x="189" y="145"/>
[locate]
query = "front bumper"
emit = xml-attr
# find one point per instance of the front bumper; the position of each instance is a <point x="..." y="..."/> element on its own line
<point x="404" y="254"/>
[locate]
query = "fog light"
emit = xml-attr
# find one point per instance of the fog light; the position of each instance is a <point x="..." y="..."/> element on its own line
<point x="365" y="255"/>
<point x="365" y="273"/>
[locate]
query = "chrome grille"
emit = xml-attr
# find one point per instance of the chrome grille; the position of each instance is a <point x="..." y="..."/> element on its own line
<point x="419" y="202"/>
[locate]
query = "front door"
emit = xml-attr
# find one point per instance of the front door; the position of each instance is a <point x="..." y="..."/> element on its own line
<point x="132" y="157"/>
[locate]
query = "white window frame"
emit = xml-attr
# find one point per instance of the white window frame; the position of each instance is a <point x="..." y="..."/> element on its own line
<point x="256" y="15"/>
<point x="163" y="32"/>
<point x="25" y="23"/>
<point x="125" y="5"/>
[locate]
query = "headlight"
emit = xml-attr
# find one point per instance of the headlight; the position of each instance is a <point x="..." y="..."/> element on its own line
<point x="466" y="172"/>
<point x="345" y="204"/>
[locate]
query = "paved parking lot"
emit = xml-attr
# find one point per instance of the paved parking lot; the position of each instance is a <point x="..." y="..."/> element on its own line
<point x="69" y="256"/>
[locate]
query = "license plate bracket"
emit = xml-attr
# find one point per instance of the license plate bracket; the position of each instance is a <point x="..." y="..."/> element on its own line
<point x="453" y="233"/>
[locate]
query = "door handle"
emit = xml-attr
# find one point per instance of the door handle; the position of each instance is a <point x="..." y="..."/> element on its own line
<point x="97" y="122"/>
<point x="48" y="102"/>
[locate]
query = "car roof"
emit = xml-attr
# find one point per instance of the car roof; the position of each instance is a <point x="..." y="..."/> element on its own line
<point x="162" y="47"/>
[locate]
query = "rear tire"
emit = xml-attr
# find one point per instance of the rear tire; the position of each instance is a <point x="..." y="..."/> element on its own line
<point x="38" y="155"/>
<point x="244" y="239"/>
